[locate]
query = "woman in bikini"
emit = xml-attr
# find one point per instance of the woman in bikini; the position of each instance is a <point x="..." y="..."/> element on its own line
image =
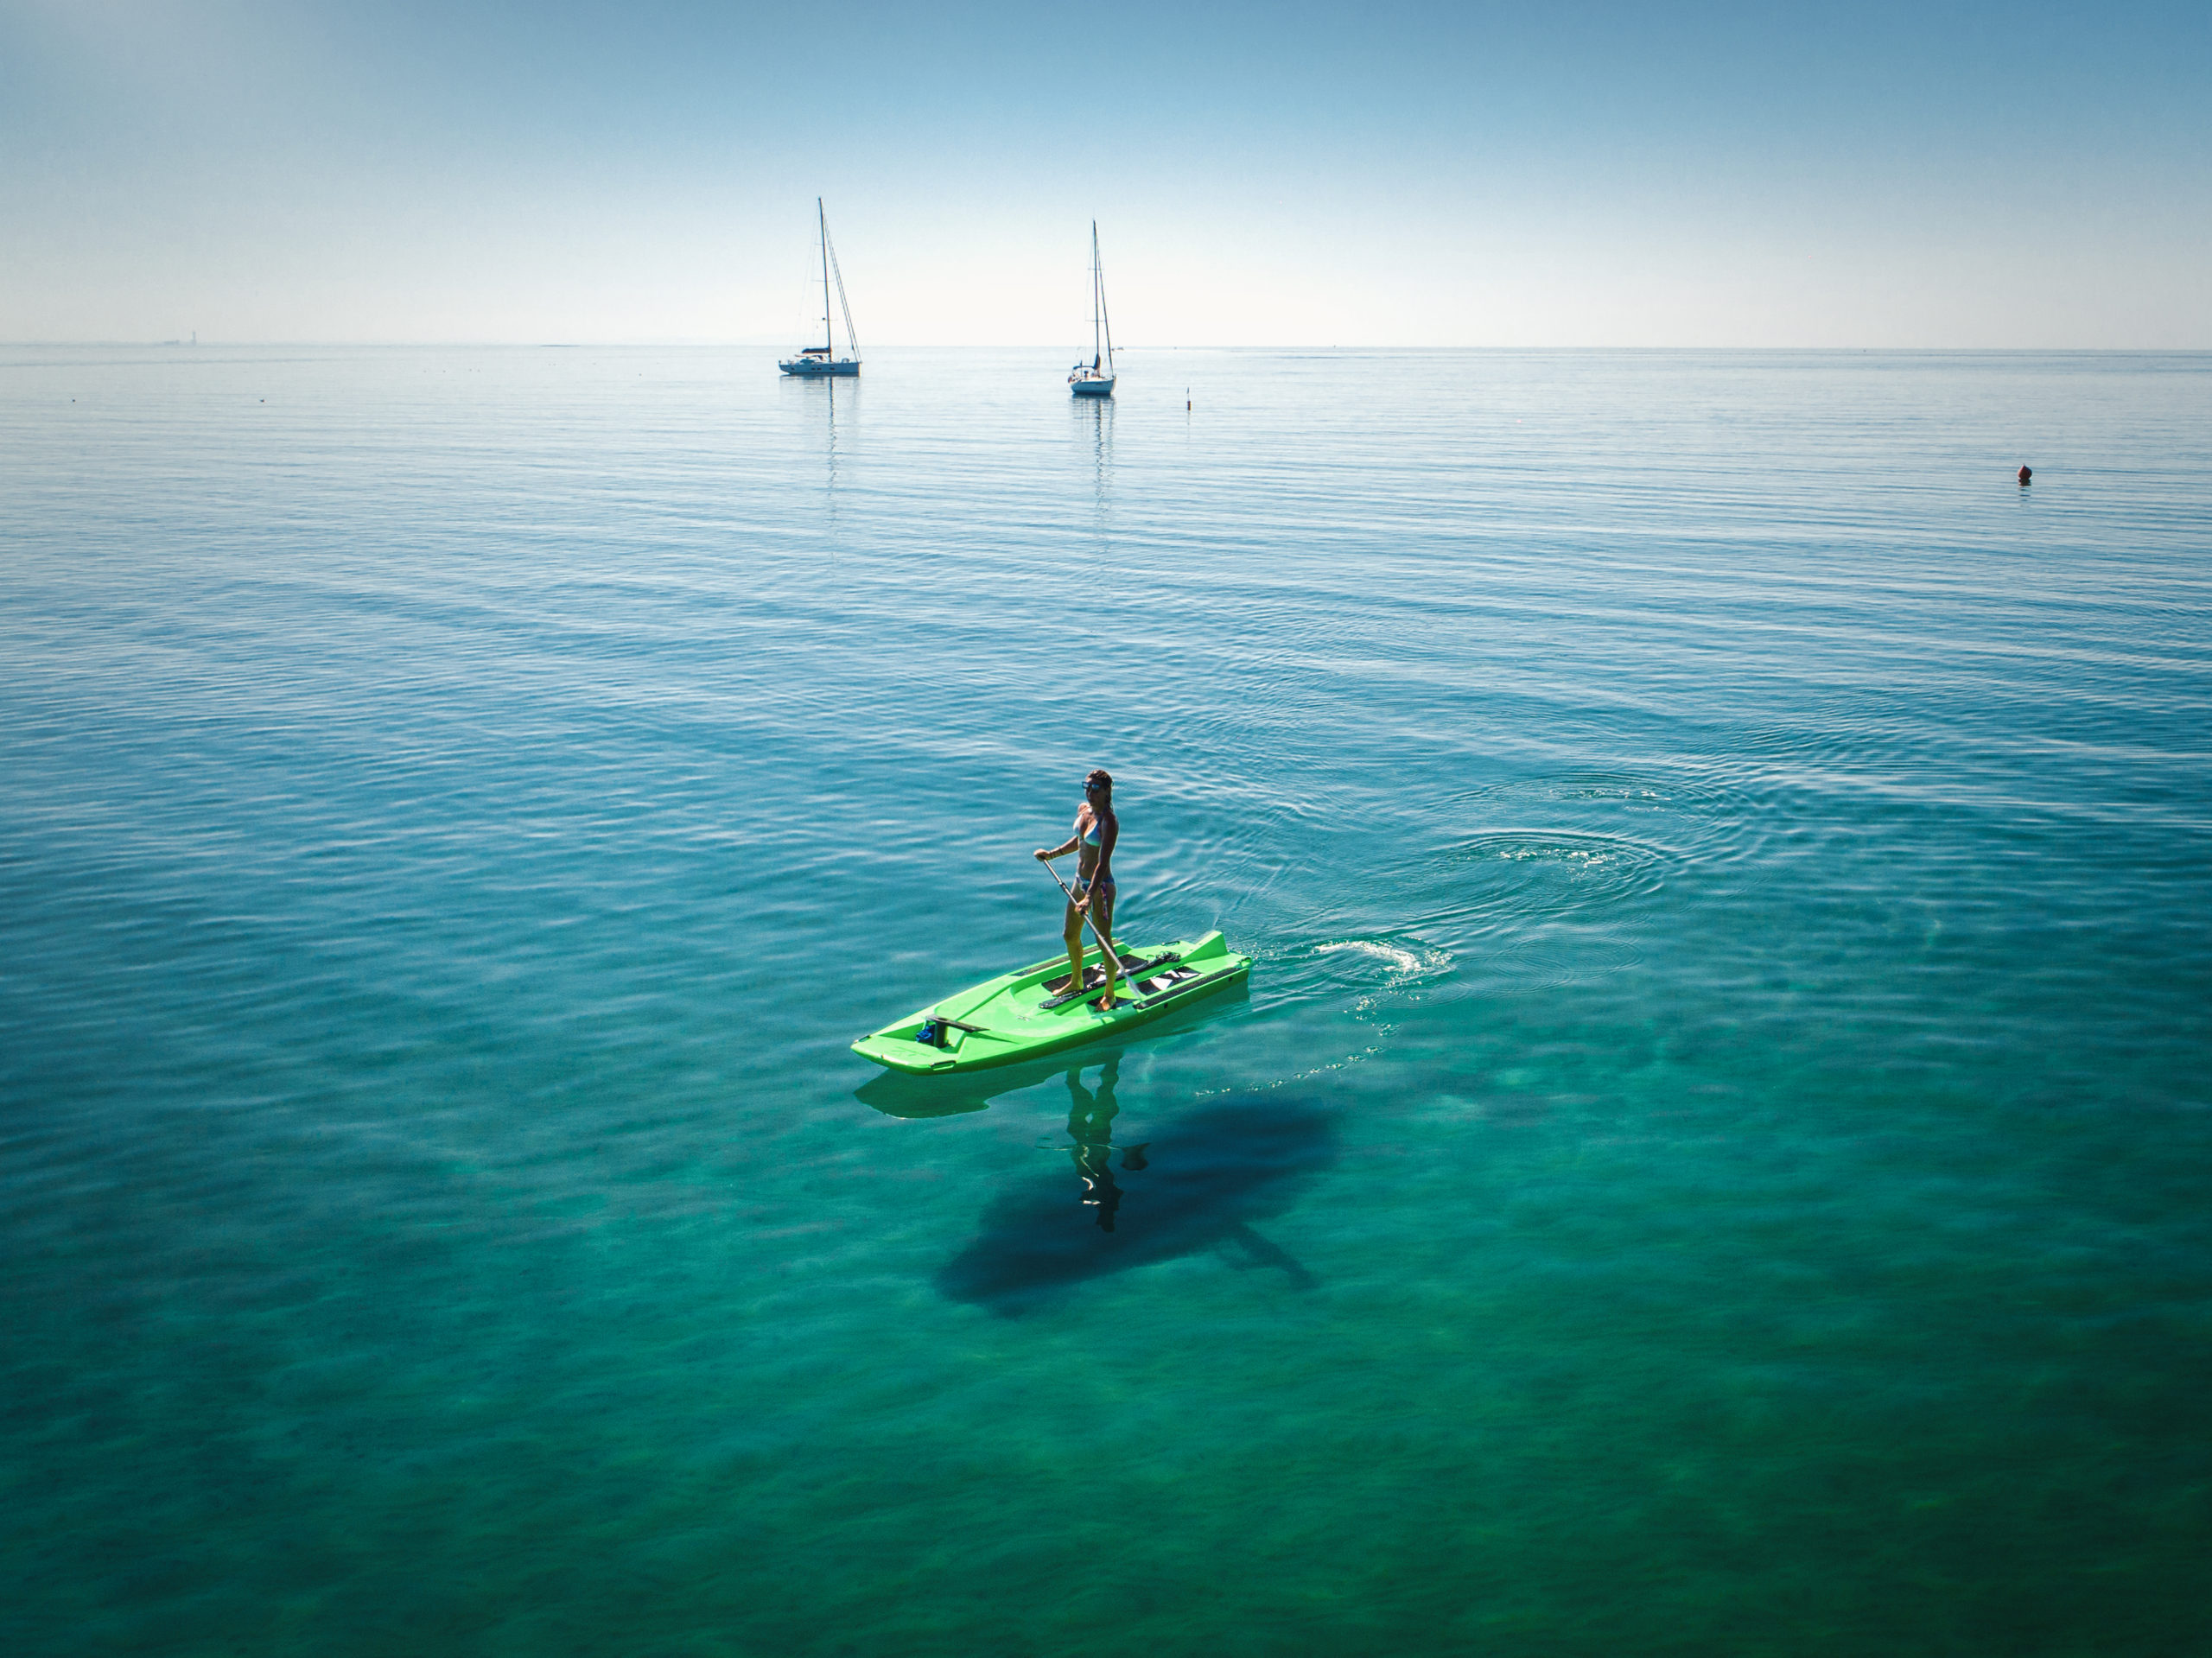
<point x="1095" y="830"/>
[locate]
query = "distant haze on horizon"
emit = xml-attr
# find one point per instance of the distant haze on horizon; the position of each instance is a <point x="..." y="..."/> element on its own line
<point x="1388" y="174"/>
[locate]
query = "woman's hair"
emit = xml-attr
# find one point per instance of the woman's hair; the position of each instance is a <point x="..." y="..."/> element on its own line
<point x="1104" y="779"/>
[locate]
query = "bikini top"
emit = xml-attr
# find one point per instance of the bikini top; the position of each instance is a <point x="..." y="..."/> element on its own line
<point x="1089" y="837"/>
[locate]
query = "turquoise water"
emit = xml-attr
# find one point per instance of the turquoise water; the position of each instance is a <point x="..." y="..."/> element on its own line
<point x="1714" y="1157"/>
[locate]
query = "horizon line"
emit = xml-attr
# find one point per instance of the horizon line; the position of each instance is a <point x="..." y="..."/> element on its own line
<point x="699" y="343"/>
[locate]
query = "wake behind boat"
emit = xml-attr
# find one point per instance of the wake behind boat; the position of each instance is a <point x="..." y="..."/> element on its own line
<point x="1031" y="1011"/>
<point x="819" y="362"/>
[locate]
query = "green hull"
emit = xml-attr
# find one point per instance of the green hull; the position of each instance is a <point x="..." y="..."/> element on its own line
<point x="1007" y="1019"/>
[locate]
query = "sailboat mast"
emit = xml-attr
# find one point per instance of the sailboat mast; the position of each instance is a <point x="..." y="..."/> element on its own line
<point x="1093" y="296"/>
<point x="828" y="339"/>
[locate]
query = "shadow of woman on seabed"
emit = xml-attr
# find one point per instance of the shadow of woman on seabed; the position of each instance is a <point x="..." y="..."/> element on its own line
<point x="1091" y="1125"/>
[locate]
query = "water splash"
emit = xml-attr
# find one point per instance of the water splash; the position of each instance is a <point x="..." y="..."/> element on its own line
<point x="1400" y="963"/>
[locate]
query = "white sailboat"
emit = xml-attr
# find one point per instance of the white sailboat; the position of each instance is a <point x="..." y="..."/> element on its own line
<point x="817" y="362"/>
<point x="1095" y="377"/>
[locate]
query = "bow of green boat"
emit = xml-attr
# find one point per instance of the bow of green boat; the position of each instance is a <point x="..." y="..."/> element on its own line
<point x="1023" y="1014"/>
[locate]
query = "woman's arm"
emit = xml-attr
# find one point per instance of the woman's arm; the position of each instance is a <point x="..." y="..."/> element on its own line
<point x="1059" y="851"/>
<point x="1109" y="831"/>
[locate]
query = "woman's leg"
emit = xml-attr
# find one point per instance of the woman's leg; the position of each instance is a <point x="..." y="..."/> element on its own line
<point x="1072" y="931"/>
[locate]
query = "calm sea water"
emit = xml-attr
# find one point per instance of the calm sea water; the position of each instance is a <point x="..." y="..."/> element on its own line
<point x="1714" y="1156"/>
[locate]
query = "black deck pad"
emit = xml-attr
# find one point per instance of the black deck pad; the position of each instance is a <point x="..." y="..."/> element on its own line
<point x="1090" y="990"/>
<point x="1133" y="967"/>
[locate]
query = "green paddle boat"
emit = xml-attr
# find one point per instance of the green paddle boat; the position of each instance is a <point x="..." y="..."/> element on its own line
<point x="1024" y="1014"/>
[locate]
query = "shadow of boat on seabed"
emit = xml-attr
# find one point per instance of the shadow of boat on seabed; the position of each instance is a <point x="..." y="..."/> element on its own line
<point x="1199" y="1185"/>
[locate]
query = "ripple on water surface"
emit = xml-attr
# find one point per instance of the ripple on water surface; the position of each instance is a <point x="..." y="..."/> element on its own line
<point x="465" y="803"/>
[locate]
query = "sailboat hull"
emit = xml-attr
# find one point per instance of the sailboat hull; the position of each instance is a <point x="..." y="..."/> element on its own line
<point x="804" y="370"/>
<point x="1103" y="388"/>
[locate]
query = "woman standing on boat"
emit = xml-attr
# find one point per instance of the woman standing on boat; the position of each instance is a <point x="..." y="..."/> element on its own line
<point x="1097" y="828"/>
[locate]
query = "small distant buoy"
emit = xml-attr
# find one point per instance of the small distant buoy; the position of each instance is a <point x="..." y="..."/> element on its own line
<point x="1186" y="399"/>
<point x="2027" y="472"/>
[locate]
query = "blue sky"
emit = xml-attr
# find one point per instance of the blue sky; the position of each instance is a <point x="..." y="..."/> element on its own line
<point x="1390" y="173"/>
